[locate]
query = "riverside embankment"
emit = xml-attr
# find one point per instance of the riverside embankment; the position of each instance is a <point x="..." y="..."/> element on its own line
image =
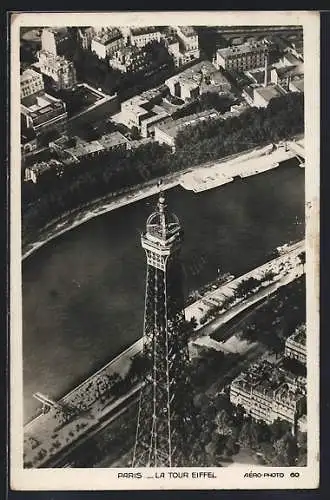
<point x="45" y="429"/>
<point x="86" y="280"/>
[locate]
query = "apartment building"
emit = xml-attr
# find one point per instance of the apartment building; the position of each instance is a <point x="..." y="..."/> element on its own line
<point x="141" y="36"/>
<point x="129" y="60"/>
<point x="166" y="132"/>
<point x="267" y="393"/>
<point x="54" y="40"/>
<point x="59" y="69"/>
<point x="31" y="82"/>
<point x="242" y="57"/>
<point x="196" y="80"/>
<point x="107" y="41"/>
<point x="295" y="345"/>
<point x="43" y="113"/>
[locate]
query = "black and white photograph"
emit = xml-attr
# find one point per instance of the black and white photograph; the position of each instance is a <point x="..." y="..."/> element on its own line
<point x="164" y="261"/>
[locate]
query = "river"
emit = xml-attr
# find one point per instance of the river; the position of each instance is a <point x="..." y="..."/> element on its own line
<point x="83" y="293"/>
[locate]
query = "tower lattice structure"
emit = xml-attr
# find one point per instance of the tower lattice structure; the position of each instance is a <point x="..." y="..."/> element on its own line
<point x="164" y="427"/>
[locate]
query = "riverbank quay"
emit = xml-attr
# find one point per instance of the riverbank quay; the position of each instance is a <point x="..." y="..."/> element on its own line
<point x="49" y="434"/>
<point x="280" y="267"/>
<point x="94" y="401"/>
<point x="246" y="164"/>
<point x="75" y="218"/>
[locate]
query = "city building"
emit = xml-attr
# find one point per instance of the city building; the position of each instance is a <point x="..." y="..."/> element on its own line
<point x="33" y="172"/>
<point x="143" y="112"/>
<point x="59" y="69"/>
<point x="141" y="36"/>
<point x="263" y="95"/>
<point x="165" y="416"/>
<point x="74" y="149"/>
<point x="43" y="113"/>
<point x="85" y="36"/>
<point x="266" y="393"/>
<point x="302" y="423"/>
<point x="283" y="76"/>
<point x="129" y="60"/>
<point x="166" y="132"/>
<point x="31" y="82"/>
<point x="295" y="345"/>
<point x="290" y="59"/>
<point x="29" y="142"/>
<point x="54" y="40"/>
<point x="107" y="41"/>
<point x="114" y="140"/>
<point x="188" y="43"/>
<point x="296" y="85"/>
<point x="173" y="47"/>
<point x="242" y="57"/>
<point x="196" y="80"/>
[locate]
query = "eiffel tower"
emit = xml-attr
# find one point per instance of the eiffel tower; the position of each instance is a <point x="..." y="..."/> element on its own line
<point x="165" y="416"/>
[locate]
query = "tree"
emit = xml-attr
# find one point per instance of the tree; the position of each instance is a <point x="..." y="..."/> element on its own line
<point x="286" y="451"/>
<point x="245" y="434"/>
<point x="268" y="275"/>
<point x="138" y="368"/>
<point x="193" y="323"/>
<point x="135" y="134"/>
<point x="245" y="287"/>
<point x="278" y="429"/>
<point x="302" y="449"/>
<point x="224" y="423"/>
<point x="302" y="258"/>
<point x="231" y="446"/>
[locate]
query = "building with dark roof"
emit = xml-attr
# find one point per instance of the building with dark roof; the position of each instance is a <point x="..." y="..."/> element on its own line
<point x="106" y="42"/>
<point x="33" y="172"/>
<point x="31" y="82"/>
<point x="295" y="345"/>
<point x="42" y="113"/>
<point x="166" y="132"/>
<point x="198" y="79"/>
<point x="130" y="59"/>
<point x="242" y="57"/>
<point x="60" y="70"/>
<point x="267" y="393"/>
<point x="141" y="36"/>
<point x="263" y="95"/>
<point x="75" y="149"/>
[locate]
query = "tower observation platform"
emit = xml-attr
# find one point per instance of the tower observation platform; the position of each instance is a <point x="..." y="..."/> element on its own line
<point x="164" y="427"/>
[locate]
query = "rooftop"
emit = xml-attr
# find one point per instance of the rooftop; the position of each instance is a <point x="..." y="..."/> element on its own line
<point x="188" y="31"/>
<point x="128" y="51"/>
<point x="143" y="30"/>
<point x="291" y="58"/>
<point x="114" y="139"/>
<point x="108" y="36"/>
<point x="244" y="48"/>
<point x="299" y="335"/>
<point x="42" y="108"/>
<point x="287" y="395"/>
<point x="269" y="92"/>
<point x="172" y="127"/>
<point x="258" y="75"/>
<point x="29" y="74"/>
<point x="84" y="148"/>
<point x="293" y="70"/>
<point x="199" y="73"/>
<point x="60" y="61"/>
<point x="269" y="380"/>
<point x="43" y="166"/>
<point x="298" y="84"/>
